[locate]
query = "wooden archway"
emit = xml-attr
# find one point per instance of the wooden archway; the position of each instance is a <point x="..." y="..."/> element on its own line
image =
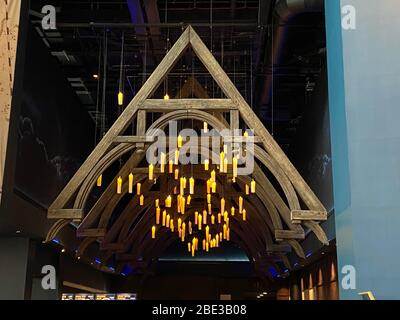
<point x="270" y="210"/>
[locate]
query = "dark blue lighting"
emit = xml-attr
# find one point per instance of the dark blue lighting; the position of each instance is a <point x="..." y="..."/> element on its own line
<point x="308" y="255"/>
<point x="56" y="241"/>
<point x="97" y="261"/>
<point x="273" y="272"/>
<point x="286" y="270"/>
<point x="127" y="269"/>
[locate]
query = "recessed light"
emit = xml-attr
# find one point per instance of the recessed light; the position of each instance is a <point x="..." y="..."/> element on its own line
<point x="323" y="253"/>
<point x="95" y="76"/>
<point x="78" y="258"/>
<point x="63" y="250"/>
<point x="265" y="292"/>
<point x="18" y="231"/>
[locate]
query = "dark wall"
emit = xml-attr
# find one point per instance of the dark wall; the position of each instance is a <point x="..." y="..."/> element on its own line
<point x="13" y="266"/>
<point x="77" y="272"/>
<point x="54" y="131"/>
<point x="191" y="280"/>
<point x="312" y="150"/>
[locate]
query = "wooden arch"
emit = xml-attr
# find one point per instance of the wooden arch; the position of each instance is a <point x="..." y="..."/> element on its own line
<point x="70" y="205"/>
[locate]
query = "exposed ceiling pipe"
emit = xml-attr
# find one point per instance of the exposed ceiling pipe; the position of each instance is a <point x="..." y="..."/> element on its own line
<point x="285" y="10"/>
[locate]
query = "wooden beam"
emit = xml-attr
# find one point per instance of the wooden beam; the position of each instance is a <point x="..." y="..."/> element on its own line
<point x="288" y="234"/>
<point x="298" y="216"/>
<point x="113" y="246"/>
<point x="75" y="214"/>
<point x="124" y="119"/>
<point x="161" y="105"/>
<point x="151" y="139"/>
<point x="134" y="139"/>
<point x="82" y="287"/>
<point x="278" y="248"/>
<point x="248" y="115"/>
<point x="140" y="127"/>
<point x="234" y="120"/>
<point x="91" y="233"/>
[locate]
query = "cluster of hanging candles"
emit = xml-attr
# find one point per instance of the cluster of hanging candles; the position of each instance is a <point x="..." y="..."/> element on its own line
<point x="214" y="227"/>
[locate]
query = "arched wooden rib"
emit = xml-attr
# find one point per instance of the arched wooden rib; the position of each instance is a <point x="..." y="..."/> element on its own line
<point x="97" y="170"/>
<point x="129" y="221"/>
<point x="204" y="116"/>
<point x="256" y="222"/>
<point x="116" y="198"/>
<point x="117" y="226"/>
<point x="184" y="115"/>
<point x="106" y="214"/>
<point x="109" y="210"/>
<point x="280" y="176"/>
<point x="318" y="231"/>
<point x="105" y="197"/>
<point x="83" y="245"/>
<point x="285" y="261"/>
<point x="144" y="234"/>
<point x="55" y="229"/>
<point x="296" y="247"/>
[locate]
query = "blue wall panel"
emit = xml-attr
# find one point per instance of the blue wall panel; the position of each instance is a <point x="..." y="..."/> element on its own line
<point x="364" y="95"/>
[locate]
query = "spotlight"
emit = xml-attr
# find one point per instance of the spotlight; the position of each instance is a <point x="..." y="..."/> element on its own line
<point x="95" y="76"/>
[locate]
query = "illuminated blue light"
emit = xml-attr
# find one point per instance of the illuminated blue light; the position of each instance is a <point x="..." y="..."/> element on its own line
<point x="97" y="261"/>
<point x="56" y="241"/>
<point x="127" y="269"/>
<point x="273" y="271"/>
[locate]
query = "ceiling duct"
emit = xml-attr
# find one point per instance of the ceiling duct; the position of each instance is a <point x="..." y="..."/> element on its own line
<point x="285" y="10"/>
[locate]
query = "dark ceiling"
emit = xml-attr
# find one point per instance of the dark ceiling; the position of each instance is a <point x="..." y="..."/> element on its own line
<point x="240" y="32"/>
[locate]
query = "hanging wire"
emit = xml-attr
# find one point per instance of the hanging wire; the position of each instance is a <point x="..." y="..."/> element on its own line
<point x="166" y="46"/>
<point x="246" y="78"/>
<point x="103" y="109"/>
<point x="211" y="24"/>
<point x="251" y="77"/>
<point x="272" y="82"/>
<point x="211" y="38"/>
<point x="121" y="61"/>
<point x="98" y="94"/>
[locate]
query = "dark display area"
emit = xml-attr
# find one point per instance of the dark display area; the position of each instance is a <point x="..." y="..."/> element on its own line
<point x="55" y="133"/>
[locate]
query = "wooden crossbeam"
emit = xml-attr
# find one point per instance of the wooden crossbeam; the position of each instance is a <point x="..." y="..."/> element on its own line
<point x="298" y="216"/>
<point x="251" y="119"/>
<point x="151" y="139"/>
<point x="281" y="235"/>
<point x="124" y="119"/>
<point x="237" y="107"/>
<point x="75" y="214"/>
<point x="161" y="105"/>
<point x="91" y="232"/>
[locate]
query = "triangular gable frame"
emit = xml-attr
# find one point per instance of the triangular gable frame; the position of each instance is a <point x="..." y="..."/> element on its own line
<point x="188" y="38"/>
